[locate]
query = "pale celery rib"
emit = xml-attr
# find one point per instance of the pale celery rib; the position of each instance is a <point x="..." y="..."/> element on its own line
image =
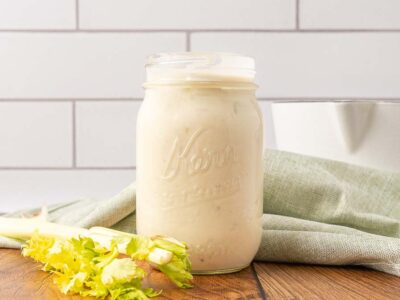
<point x="86" y="261"/>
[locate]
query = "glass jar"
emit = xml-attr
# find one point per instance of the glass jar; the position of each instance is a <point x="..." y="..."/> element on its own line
<point x="199" y="157"/>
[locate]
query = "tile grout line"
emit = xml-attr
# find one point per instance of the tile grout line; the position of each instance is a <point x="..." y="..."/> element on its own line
<point x="297" y="14"/>
<point x="326" y="99"/>
<point x="73" y="134"/>
<point x="261" y="98"/>
<point x="67" y="168"/>
<point x="110" y="99"/>
<point x="188" y="41"/>
<point x="77" y="25"/>
<point x="211" y="30"/>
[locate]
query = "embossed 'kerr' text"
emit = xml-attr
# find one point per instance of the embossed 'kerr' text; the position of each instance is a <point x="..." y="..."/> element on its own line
<point x="191" y="160"/>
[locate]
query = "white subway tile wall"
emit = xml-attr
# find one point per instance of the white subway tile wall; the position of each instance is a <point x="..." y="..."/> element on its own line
<point x="71" y="73"/>
<point x="81" y="65"/>
<point x="345" y="14"/>
<point x="35" y="134"/>
<point x="105" y="133"/>
<point x="183" y="14"/>
<point x="21" y="189"/>
<point x="316" y="64"/>
<point x="37" y="14"/>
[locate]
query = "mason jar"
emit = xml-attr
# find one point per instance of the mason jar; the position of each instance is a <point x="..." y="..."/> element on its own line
<point x="199" y="157"/>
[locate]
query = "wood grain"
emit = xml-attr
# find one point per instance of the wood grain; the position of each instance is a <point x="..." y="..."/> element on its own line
<point x="21" y="278"/>
<point x="241" y="285"/>
<point x="292" y="281"/>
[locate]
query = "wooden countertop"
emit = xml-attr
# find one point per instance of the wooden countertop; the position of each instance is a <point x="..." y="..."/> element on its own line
<point x="20" y="278"/>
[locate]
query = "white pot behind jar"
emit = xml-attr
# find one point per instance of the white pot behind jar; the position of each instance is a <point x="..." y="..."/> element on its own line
<point x="366" y="133"/>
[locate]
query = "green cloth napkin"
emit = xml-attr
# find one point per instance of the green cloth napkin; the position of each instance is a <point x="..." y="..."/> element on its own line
<point x="316" y="211"/>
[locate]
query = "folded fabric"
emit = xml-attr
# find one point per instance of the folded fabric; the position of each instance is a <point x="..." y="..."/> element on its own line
<point x="315" y="211"/>
<point x="327" y="212"/>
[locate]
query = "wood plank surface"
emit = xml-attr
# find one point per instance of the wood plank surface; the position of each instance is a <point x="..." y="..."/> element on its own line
<point x="20" y="278"/>
<point x="293" y="281"/>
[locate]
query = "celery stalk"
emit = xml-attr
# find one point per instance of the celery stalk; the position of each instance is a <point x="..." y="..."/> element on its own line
<point x="24" y="229"/>
<point x="86" y="260"/>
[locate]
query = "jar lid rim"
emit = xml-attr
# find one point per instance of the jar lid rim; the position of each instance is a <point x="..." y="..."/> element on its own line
<point x="200" y="66"/>
<point x="199" y="56"/>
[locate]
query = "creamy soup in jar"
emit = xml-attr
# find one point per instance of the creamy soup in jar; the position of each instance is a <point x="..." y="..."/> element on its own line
<point x="199" y="157"/>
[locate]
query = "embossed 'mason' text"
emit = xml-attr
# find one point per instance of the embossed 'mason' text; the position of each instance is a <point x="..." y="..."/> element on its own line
<point x="191" y="195"/>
